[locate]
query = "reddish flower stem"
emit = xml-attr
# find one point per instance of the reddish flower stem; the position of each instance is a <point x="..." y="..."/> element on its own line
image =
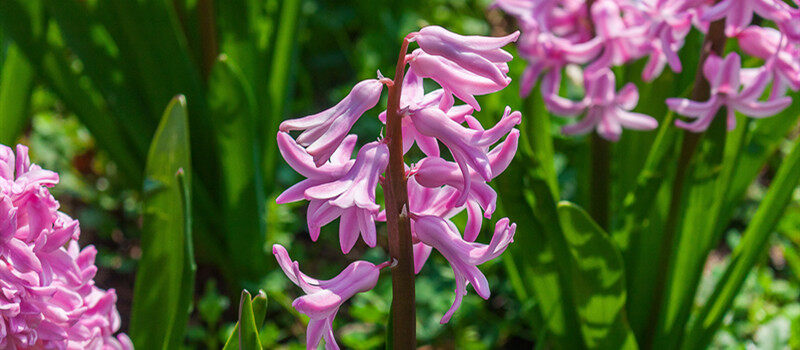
<point x="398" y="225"/>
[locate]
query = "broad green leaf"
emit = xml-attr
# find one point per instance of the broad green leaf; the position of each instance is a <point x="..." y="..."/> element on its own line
<point x="165" y="277"/>
<point x="16" y="84"/>
<point x="599" y="281"/>
<point x="232" y="108"/>
<point x="751" y="247"/>
<point x="245" y="333"/>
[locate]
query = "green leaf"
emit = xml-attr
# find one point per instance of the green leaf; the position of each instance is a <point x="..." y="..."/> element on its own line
<point x="599" y="281"/>
<point x="540" y="254"/>
<point x="165" y="278"/>
<point x="751" y="247"/>
<point x="232" y="109"/>
<point x="16" y="84"/>
<point x="706" y="186"/>
<point x="245" y="333"/>
<point x="389" y="343"/>
<point x="260" y="308"/>
<point x="279" y="85"/>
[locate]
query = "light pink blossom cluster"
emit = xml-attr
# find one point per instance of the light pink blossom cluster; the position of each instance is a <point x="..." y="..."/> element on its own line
<point x="439" y="186"/>
<point x="48" y="298"/>
<point x="561" y="33"/>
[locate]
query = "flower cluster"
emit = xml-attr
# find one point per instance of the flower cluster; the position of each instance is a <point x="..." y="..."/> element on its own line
<point x="439" y="186"/>
<point x="48" y="298"/>
<point x="561" y="33"/>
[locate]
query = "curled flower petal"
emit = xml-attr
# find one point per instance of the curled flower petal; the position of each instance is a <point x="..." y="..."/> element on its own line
<point x="464" y="256"/>
<point x="324" y="132"/>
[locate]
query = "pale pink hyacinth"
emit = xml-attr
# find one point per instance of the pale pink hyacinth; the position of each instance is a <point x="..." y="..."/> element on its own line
<point x="337" y="186"/>
<point x="49" y="299"/>
<point x="606" y="111"/>
<point x="732" y="87"/>
<point x="324" y="131"/>
<point x="464" y="256"/>
<point x="738" y="14"/>
<point x="323" y="298"/>
<point x="621" y="41"/>
<point x="782" y="56"/>
<point x="669" y="21"/>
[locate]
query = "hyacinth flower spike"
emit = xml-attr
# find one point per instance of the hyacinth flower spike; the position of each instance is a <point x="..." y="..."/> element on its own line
<point x="324" y="131"/>
<point x="49" y="299"/>
<point x="724" y="78"/>
<point x="323" y="298"/>
<point x="352" y="197"/>
<point x="464" y="257"/>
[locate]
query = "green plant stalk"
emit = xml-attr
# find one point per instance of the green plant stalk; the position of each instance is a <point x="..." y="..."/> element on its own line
<point x="714" y="42"/>
<point x="752" y="246"/>
<point x="398" y="224"/>
<point x="600" y="184"/>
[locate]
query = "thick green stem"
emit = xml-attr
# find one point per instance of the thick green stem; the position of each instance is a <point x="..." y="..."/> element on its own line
<point x="714" y="42"/>
<point x="398" y="224"/>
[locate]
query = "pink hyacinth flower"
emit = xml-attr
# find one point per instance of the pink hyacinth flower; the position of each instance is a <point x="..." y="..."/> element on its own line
<point x="669" y="21"/>
<point x="479" y="55"/>
<point x="351" y="197"/>
<point x="548" y="53"/>
<point x="467" y="146"/>
<point x="464" y="256"/>
<point x="606" y="111"/>
<point x="454" y="79"/>
<point x="324" y="131"/>
<point x="724" y="77"/>
<point x="783" y="58"/>
<point x="414" y="97"/>
<point x="738" y="14"/>
<point x="302" y="162"/>
<point x="323" y="298"/>
<point x="621" y="42"/>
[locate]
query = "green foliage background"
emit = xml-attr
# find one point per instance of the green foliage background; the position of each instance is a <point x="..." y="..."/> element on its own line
<point x="85" y="84"/>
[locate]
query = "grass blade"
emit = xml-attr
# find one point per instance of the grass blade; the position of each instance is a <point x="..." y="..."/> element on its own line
<point x="16" y="84"/>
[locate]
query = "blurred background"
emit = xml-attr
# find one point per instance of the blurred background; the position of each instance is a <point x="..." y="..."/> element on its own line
<point x="84" y="84"/>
